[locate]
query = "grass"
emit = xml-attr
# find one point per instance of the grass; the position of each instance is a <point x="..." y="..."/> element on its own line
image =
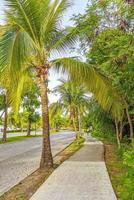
<point x="17" y="138"/>
<point x="27" y="187"/>
<point x="115" y="167"/>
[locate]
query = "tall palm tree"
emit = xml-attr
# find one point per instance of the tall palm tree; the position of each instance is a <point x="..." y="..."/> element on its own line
<point x="32" y="33"/>
<point x="73" y="100"/>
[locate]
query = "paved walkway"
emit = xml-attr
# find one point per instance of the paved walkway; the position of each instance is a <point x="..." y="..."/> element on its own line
<point x="20" y="159"/>
<point x="83" y="177"/>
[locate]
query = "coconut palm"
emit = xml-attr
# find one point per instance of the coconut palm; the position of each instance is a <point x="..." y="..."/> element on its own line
<point x="55" y="116"/>
<point x="10" y="94"/>
<point x="73" y="100"/>
<point x="32" y="33"/>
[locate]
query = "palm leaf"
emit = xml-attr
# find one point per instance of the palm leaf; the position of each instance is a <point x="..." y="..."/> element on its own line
<point x="97" y="83"/>
<point x="15" y="48"/>
<point x="25" y="15"/>
<point x="52" y="21"/>
<point x="62" y="44"/>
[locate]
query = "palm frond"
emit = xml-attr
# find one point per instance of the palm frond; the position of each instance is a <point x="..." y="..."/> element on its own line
<point x="15" y="48"/>
<point x="95" y="82"/>
<point x="52" y="21"/>
<point x="55" y="108"/>
<point x="15" y="95"/>
<point x="69" y="38"/>
<point x="26" y="14"/>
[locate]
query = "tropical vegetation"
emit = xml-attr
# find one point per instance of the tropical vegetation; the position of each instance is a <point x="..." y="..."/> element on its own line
<point x="97" y="93"/>
<point x="31" y="35"/>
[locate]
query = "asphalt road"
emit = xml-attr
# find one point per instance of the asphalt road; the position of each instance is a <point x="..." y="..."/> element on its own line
<point x="20" y="159"/>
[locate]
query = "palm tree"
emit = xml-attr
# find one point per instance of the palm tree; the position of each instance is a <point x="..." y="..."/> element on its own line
<point x="73" y="100"/>
<point x="30" y="103"/>
<point x="32" y="33"/>
<point x="4" y="108"/>
<point x="55" y="116"/>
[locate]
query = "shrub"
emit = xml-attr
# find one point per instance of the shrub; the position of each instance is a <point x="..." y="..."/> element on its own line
<point x="128" y="178"/>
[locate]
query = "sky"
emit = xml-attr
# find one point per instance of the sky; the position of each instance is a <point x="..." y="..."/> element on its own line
<point x="78" y="7"/>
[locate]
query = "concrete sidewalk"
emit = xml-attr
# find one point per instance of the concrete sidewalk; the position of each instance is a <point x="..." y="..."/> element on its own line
<point x="83" y="177"/>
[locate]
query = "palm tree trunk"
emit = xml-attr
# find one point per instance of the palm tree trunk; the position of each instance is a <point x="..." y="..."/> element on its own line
<point x="5" y="125"/>
<point x="29" y="126"/>
<point x="74" y="125"/>
<point x="79" y="121"/>
<point x="75" y="129"/>
<point x="117" y="133"/>
<point x="72" y="119"/>
<point x="46" y="156"/>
